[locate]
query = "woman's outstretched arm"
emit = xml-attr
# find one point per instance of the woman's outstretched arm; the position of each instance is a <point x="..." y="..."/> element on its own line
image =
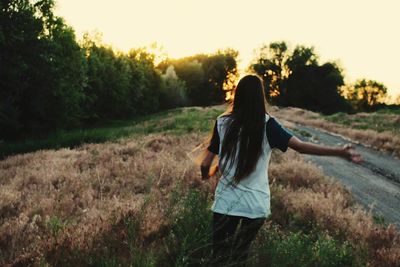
<point x="346" y="151"/>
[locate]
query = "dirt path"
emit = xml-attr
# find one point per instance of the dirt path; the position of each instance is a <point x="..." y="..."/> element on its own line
<point x="374" y="183"/>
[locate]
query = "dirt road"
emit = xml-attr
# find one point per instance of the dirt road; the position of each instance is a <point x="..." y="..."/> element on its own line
<point x="374" y="183"/>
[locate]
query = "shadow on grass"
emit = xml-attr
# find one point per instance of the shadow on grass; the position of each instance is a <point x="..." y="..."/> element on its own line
<point x="176" y="121"/>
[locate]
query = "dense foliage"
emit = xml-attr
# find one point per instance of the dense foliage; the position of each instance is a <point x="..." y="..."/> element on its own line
<point x="50" y="82"/>
<point x="295" y="78"/>
<point x="42" y="71"/>
<point x="207" y="77"/>
<point x="365" y="95"/>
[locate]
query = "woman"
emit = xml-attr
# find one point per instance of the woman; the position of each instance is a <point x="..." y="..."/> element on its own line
<point x="243" y="138"/>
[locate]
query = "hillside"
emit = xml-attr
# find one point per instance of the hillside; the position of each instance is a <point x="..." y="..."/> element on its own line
<point x="378" y="130"/>
<point x="137" y="200"/>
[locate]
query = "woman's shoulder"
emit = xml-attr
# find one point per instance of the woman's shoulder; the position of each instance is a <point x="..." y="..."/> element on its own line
<point x="226" y="114"/>
<point x="267" y="116"/>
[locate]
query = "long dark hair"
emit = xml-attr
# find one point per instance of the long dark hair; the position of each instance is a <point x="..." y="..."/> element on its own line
<point x="246" y="128"/>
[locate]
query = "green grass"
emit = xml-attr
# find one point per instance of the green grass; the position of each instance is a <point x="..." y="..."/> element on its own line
<point x="176" y="121"/>
<point x="56" y="225"/>
<point x="296" y="248"/>
<point x="378" y="121"/>
<point x="390" y="110"/>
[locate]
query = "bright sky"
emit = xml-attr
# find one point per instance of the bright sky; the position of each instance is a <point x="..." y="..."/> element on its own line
<point x="363" y="35"/>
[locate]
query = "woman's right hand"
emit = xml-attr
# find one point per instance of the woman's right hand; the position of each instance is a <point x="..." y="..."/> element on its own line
<point x="347" y="151"/>
<point x="351" y="154"/>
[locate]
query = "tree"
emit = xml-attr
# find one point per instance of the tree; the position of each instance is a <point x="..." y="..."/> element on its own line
<point x="295" y="78"/>
<point x="270" y="64"/>
<point x="41" y="74"/>
<point x="193" y="74"/>
<point x="19" y="32"/>
<point x="365" y="94"/>
<point x="219" y="69"/>
<point x="315" y="88"/>
<point x="205" y="76"/>
<point x="397" y="100"/>
<point x="119" y="85"/>
<point x="301" y="56"/>
<point x="65" y="70"/>
<point x="173" y="90"/>
<point x="147" y="78"/>
<point x="107" y="84"/>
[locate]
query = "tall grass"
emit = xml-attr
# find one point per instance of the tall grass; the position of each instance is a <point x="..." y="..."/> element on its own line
<point x="140" y="202"/>
<point x="277" y="247"/>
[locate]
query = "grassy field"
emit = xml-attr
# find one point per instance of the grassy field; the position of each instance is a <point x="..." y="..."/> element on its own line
<point x="186" y="120"/>
<point x="377" y="121"/>
<point x="176" y="121"/>
<point x="138" y="200"/>
<point x="379" y="130"/>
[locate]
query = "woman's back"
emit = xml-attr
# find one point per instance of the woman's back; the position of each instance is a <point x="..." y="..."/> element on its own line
<point x="250" y="197"/>
<point x="256" y="179"/>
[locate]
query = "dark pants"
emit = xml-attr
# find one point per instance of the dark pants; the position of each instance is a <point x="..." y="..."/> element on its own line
<point x="232" y="237"/>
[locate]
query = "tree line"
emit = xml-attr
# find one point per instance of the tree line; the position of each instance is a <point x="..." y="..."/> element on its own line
<point x="295" y="77"/>
<point x="50" y="81"/>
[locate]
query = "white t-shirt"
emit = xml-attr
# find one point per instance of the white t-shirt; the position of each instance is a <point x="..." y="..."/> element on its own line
<point x="251" y="196"/>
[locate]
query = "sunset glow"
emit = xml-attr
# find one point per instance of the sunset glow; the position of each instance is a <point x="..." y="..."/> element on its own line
<point x="361" y="35"/>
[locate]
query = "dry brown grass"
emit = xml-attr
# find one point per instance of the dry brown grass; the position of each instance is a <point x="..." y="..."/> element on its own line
<point x="86" y="189"/>
<point x="384" y="141"/>
<point x="56" y="202"/>
<point x="305" y="196"/>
